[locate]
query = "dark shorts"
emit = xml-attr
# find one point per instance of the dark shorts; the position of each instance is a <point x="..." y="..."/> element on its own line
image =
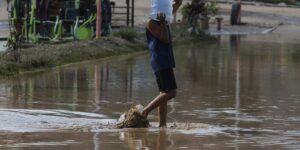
<point x="165" y="80"/>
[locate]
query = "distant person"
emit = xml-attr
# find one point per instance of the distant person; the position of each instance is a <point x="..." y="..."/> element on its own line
<point x="161" y="55"/>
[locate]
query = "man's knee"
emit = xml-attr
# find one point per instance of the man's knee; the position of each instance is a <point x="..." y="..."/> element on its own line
<point x="172" y="93"/>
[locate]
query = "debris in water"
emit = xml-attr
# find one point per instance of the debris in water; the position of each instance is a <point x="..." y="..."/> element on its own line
<point x="133" y="118"/>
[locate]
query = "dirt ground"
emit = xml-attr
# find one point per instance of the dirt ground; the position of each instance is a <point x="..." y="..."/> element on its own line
<point x="252" y="14"/>
<point x="263" y="16"/>
<point x="286" y="11"/>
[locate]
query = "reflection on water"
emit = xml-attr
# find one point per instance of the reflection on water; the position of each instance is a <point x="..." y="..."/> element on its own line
<point x="83" y="88"/>
<point x="248" y="88"/>
<point x="235" y="44"/>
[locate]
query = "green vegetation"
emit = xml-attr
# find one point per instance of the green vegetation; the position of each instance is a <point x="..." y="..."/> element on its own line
<point x="51" y="55"/>
<point x="211" y="8"/>
<point x="200" y="7"/>
<point x="129" y="34"/>
<point x="9" y="68"/>
<point x="199" y="11"/>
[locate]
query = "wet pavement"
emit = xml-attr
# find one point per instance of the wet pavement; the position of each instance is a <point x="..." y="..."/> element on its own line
<point x="244" y="90"/>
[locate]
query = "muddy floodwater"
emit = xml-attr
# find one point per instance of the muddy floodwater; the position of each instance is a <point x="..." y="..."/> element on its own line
<point x="244" y="89"/>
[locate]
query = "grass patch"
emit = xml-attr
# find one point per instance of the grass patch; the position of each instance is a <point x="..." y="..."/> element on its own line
<point x="51" y="55"/>
<point x="9" y="68"/>
<point x="129" y="34"/>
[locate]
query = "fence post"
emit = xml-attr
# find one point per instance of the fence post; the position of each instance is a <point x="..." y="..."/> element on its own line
<point x="98" y="21"/>
<point x="132" y="13"/>
<point x="127" y="15"/>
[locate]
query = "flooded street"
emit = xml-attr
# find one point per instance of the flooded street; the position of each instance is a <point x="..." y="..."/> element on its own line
<point x="4" y="31"/>
<point x="246" y="91"/>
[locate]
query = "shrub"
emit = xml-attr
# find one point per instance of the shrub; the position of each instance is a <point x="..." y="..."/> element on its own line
<point x="199" y="7"/>
<point x="9" y="68"/>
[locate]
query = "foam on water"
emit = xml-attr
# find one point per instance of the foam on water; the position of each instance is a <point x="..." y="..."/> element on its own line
<point x="26" y="120"/>
<point x="62" y="143"/>
<point x="23" y="120"/>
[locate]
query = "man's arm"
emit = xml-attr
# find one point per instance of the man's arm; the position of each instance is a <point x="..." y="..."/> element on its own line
<point x="159" y="30"/>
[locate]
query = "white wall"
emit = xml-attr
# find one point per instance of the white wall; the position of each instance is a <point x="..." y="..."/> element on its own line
<point x="3" y="12"/>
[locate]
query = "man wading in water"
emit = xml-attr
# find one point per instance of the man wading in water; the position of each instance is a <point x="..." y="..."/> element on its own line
<point x="161" y="55"/>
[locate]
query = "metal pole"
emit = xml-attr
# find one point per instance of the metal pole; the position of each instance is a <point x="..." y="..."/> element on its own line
<point x="127" y="15"/>
<point x="98" y="20"/>
<point x="132" y="13"/>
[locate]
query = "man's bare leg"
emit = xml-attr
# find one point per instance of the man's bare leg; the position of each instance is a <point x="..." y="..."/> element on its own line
<point x="160" y="100"/>
<point x="162" y="112"/>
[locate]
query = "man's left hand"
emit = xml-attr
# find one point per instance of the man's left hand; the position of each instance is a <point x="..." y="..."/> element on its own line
<point x="161" y="17"/>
